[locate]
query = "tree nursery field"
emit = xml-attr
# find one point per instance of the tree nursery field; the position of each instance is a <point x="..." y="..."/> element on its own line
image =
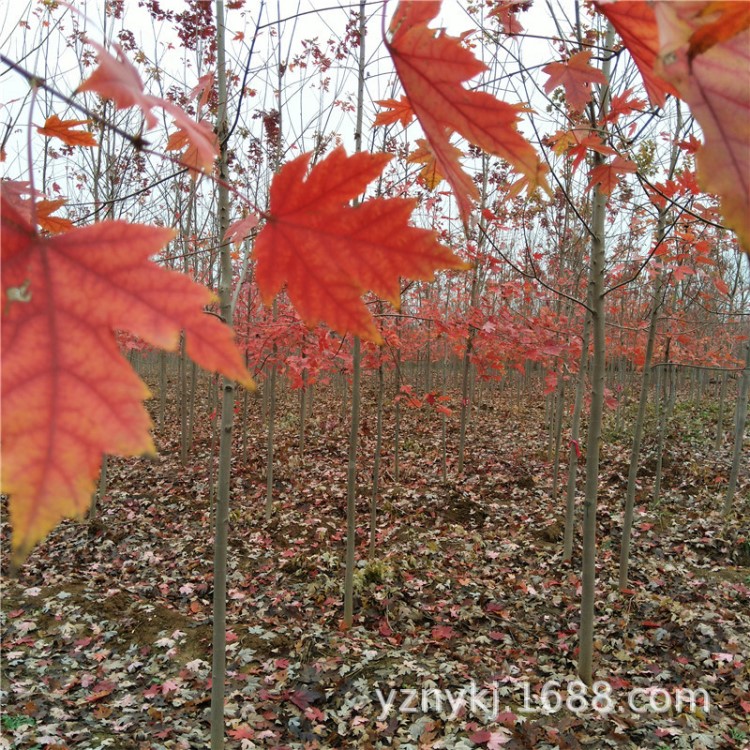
<point x="375" y="375"/>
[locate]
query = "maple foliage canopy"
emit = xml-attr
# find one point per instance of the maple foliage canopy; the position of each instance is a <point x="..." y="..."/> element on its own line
<point x="69" y="395"/>
<point x="700" y="51"/>
<point x="636" y="24"/>
<point x="432" y="67"/>
<point x="328" y="253"/>
<point x="718" y="97"/>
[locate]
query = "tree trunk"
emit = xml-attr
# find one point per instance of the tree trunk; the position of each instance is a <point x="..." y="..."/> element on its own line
<point x="376" y="464"/>
<point x="351" y="492"/>
<point x="635" y="452"/>
<point x="720" y="417"/>
<point x="574" y="449"/>
<point x="221" y="537"/>
<point x="183" y="403"/>
<point x="162" y="389"/>
<point x="740" y="418"/>
<point x="351" y="473"/>
<point x="271" y="416"/>
<point x="596" y="298"/>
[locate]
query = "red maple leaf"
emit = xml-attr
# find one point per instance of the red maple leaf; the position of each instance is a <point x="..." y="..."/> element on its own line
<point x="714" y="83"/>
<point x="575" y="75"/>
<point x="432" y="68"/>
<point x="68" y="394"/>
<point x="329" y="253"/>
<point x="116" y="78"/>
<point x="203" y="89"/>
<point x="624" y="104"/>
<point x="506" y="15"/>
<point x="240" y="229"/>
<point x="54" y="127"/>
<point x="608" y="175"/>
<point x="577" y="143"/>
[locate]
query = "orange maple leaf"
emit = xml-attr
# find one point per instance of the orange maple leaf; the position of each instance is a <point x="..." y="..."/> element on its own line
<point x="432" y="67"/>
<point x="430" y="172"/>
<point x="396" y="110"/>
<point x="608" y="175"/>
<point x="733" y="17"/>
<point x="52" y="224"/>
<point x="329" y="253"/>
<point x="54" y="127"/>
<point x="575" y="75"/>
<point x="69" y="396"/>
<point x="197" y="138"/>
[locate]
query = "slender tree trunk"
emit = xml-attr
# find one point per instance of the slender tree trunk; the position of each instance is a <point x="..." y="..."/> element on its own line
<point x="162" y="389"/>
<point x="635" y="453"/>
<point x="666" y="400"/>
<point x="191" y="411"/>
<point x="559" y="411"/>
<point x="467" y="376"/>
<point x="302" y="413"/>
<point x="221" y="538"/>
<point x="720" y="418"/>
<point x="444" y="427"/>
<point x="397" y="419"/>
<point x="245" y="403"/>
<point x="376" y="464"/>
<point x="183" y="399"/>
<point x="351" y="491"/>
<point x="101" y="490"/>
<point x="596" y="297"/>
<point x="271" y="416"/>
<point x="351" y="474"/>
<point x="213" y="402"/>
<point x="740" y="418"/>
<point x="574" y="449"/>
